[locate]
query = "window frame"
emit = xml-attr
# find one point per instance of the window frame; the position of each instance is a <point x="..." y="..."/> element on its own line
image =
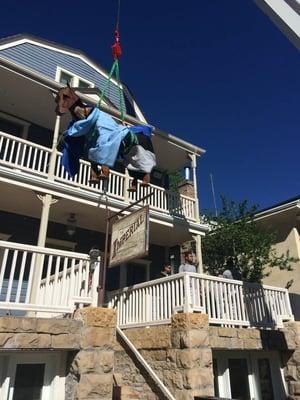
<point x="54" y="379"/>
<point x="18" y="121"/>
<point x="75" y="78"/>
<point x="252" y="357"/>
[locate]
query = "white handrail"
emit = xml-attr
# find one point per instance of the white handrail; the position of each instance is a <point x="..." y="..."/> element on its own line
<point x="33" y="158"/>
<point x="227" y="302"/>
<point x="45" y="280"/>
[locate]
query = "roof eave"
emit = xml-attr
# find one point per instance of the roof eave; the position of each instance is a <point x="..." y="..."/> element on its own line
<point x="55" y="86"/>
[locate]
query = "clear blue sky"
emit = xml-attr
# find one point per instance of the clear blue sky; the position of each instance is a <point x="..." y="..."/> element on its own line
<point x="216" y="73"/>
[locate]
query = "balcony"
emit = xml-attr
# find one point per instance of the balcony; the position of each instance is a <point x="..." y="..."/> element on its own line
<point x="34" y="159"/>
<point x="52" y="282"/>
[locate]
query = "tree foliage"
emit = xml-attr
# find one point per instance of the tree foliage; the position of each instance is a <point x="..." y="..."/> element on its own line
<point x="236" y="243"/>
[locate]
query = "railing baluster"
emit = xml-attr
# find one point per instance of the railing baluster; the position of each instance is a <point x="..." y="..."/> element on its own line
<point x="11" y="275"/>
<point x="21" y="275"/>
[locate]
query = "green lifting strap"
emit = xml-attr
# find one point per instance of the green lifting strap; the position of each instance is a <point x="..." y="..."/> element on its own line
<point x="114" y="69"/>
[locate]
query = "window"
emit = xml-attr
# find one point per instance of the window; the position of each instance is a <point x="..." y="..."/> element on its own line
<point x="32" y="376"/>
<point x="29" y="381"/>
<point x="13" y="125"/>
<point x="246" y="375"/>
<point x="66" y="77"/>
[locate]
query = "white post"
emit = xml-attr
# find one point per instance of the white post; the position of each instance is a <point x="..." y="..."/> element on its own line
<point x="47" y="201"/>
<point x="197" y="239"/>
<point x="54" y="149"/>
<point x="194" y="166"/>
<point x="187" y="293"/>
<point x="126" y="186"/>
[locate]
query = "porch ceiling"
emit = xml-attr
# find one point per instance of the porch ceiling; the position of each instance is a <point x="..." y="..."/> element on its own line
<point x="24" y="98"/>
<point x="24" y="201"/>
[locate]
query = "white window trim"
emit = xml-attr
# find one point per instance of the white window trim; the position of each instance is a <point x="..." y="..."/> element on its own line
<point x="24" y="124"/>
<point x="59" y="242"/>
<point x="75" y="78"/>
<point x="277" y="376"/>
<point x="54" y="381"/>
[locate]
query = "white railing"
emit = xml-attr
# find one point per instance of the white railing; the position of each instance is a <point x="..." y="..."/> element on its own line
<point x="32" y="158"/>
<point x="24" y="155"/>
<point x="45" y="280"/>
<point x="227" y="302"/>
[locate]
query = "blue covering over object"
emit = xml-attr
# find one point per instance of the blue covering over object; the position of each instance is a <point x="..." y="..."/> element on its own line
<point x="98" y="137"/>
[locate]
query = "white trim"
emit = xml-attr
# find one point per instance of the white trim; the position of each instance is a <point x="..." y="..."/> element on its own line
<point x="53" y="386"/>
<point x="251" y="357"/>
<point x="75" y="77"/>
<point x="81" y="57"/>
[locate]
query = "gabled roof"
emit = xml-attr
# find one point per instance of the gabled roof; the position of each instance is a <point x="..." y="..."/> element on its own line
<point x="24" y="38"/>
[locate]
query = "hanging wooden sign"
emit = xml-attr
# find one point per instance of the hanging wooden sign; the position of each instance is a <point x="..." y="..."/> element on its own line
<point x="130" y="237"/>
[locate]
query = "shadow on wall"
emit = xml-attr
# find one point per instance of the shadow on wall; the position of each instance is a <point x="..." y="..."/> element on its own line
<point x="295" y="304"/>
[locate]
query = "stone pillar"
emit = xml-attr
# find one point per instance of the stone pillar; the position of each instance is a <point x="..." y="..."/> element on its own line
<point x="191" y="355"/>
<point x="291" y="359"/>
<point x="93" y="365"/>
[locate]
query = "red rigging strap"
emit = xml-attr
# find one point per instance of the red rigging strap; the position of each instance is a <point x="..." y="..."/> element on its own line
<point x="116" y="48"/>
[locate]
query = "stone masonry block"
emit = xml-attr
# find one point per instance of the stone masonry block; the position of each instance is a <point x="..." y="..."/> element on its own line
<point x="97" y="317"/>
<point x="25" y="340"/>
<point x="98" y="337"/>
<point x="17" y="325"/>
<point x="150" y="338"/>
<point x="94" y="361"/>
<point x="94" y="386"/>
<point x="66" y="341"/>
<point x="227" y="332"/>
<point x="189" y="321"/>
<point x="58" y="326"/>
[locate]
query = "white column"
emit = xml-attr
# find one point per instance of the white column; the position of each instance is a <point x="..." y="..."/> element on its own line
<point x="54" y="149"/>
<point x="126" y="186"/>
<point x="194" y="166"/>
<point x="197" y="239"/>
<point x="47" y="201"/>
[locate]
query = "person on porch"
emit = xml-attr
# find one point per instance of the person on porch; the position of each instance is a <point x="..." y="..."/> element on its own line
<point x="188" y="265"/>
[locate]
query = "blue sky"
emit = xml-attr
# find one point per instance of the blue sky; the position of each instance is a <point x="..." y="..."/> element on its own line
<point x="216" y="73"/>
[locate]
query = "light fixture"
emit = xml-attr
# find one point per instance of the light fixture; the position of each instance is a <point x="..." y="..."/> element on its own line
<point x="71" y="224"/>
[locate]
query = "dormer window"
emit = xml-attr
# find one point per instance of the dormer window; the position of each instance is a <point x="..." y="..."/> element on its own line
<point x="66" y="77"/>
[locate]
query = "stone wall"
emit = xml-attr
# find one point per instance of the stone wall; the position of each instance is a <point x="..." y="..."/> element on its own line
<point x="89" y="339"/>
<point x="179" y="354"/>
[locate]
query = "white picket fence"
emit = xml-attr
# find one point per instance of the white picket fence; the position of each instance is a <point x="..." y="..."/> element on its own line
<point x="227" y="302"/>
<point x="45" y="280"/>
<point x="32" y="158"/>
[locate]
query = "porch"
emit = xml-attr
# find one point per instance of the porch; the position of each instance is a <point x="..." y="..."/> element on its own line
<point x="53" y="283"/>
<point x="32" y="159"/>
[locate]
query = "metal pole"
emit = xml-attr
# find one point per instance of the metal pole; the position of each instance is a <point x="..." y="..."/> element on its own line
<point x="102" y="276"/>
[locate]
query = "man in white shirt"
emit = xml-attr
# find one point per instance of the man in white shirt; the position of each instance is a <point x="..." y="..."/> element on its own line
<point x="188" y="265"/>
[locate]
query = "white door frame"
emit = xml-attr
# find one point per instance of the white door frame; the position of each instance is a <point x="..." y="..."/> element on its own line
<point x="277" y="377"/>
<point x="53" y="386"/>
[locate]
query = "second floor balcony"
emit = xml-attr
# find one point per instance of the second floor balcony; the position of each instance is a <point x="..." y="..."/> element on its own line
<point x="33" y="160"/>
